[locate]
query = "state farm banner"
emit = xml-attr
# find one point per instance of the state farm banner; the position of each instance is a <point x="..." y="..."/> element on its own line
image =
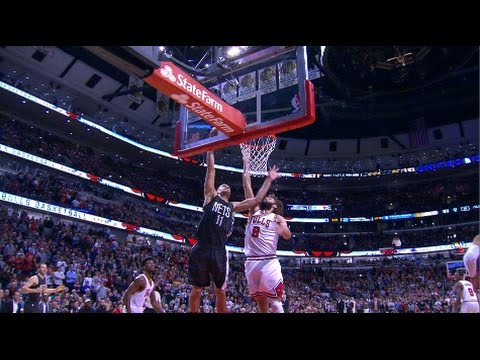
<point x="134" y="82"/>
<point x="247" y="86"/>
<point x="287" y="74"/>
<point x="185" y="90"/>
<point x="267" y="80"/>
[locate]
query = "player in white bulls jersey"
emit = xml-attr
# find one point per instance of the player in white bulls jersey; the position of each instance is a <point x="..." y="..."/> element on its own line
<point x="262" y="268"/>
<point x="471" y="260"/>
<point x="135" y="297"/>
<point x="466" y="299"/>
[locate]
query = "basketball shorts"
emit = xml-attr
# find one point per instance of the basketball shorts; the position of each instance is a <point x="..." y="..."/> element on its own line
<point x="264" y="277"/>
<point x="206" y="265"/>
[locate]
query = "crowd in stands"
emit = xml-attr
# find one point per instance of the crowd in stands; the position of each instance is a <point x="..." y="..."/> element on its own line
<point x="50" y="186"/>
<point x="333" y="164"/>
<point x="391" y="199"/>
<point x="55" y="188"/>
<point x="114" y="168"/>
<point x="368" y="241"/>
<point x="389" y="286"/>
<point x="96" y="267"/>
<point x="426" y="196"/>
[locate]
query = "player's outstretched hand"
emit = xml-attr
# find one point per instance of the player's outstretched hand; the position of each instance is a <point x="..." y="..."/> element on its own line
<point x="273" y="172"/>
<point x="246" y="162"/>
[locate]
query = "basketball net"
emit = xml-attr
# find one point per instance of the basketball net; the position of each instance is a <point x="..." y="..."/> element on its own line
<point x="256" y="152"/>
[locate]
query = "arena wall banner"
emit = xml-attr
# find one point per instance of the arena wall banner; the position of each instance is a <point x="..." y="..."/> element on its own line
<point x="66" y="169"/>
<point x="137" y="192"/>
<point x="79" y="215"/>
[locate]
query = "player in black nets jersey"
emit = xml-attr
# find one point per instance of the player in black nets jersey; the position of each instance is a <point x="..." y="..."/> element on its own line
<point x="35" y="288"/>
<point x="208" y="258"/>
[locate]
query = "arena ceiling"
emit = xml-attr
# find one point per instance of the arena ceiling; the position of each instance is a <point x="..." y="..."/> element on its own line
<point x="364" y="91"/>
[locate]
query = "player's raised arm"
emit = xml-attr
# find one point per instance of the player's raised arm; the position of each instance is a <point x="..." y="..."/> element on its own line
<point x="209" y="191"/>
<point x="283" y="229"/>
<point x="252" y="202"/>
<point x="247" y="183"/>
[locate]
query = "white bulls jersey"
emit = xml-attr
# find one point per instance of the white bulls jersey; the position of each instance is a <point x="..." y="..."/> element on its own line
<point x="468" y="292"/>
<point x="139" y="299"/>
<point x="262" y="268"/>
<point x="470" y="259"/>
<point x="261" y="236"/>
<point x="469" y="298"/>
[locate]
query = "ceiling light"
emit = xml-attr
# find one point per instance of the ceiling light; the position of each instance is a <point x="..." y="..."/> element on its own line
<point x="233" y="51"/>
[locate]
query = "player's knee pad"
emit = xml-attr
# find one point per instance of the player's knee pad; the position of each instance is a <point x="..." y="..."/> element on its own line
<point x="276" y="306"/>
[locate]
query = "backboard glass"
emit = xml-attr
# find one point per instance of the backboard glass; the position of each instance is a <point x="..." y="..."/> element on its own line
<point x="272" y="91"/>
<point x="452" y="266"/>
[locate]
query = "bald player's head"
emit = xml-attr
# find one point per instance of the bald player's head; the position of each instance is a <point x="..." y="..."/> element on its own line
<point x="476" y="240"/>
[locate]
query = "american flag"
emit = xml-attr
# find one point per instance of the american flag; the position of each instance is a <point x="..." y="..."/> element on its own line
<point x="418" y="135"/>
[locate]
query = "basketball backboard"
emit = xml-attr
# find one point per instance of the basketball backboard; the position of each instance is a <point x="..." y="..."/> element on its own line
<point x="452" y="266"/>
<point x="270" y="92"/>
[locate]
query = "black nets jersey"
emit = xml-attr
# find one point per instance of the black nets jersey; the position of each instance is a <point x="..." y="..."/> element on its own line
<point x="35" y="297"/>
<point x="216" y="223"/>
